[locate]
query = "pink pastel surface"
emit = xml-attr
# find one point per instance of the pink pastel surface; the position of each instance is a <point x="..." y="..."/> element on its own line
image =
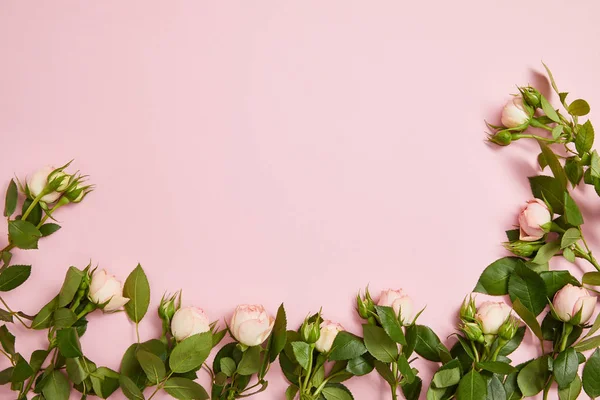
<point x="279" y="151"/>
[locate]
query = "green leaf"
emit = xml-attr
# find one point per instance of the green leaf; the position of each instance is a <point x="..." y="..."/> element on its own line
<point x="104" y="382"/>
<point x="550" y="189"/>
<point x="22" y="370"/>
<point x="588" y="344"/>
<point x="556" y="280"/>
<point x="152" y="365"/>
<point x="56" y="387"/>
<point x="48" y="229"/>
<point x="302" y="353"/>
<point x="495" y="389"/>
<point x="391" y="325"/>
<point x="549" y="110"/>
<point x="190" y="353"/>
<point x="571" y="236"/>
<point x="427" y="343"/>
<point x="546" y="252"/>
<point x="64" y="318"/>
<point x="472" y="386"/>
<point x="23" y="234"/>
<point x="67" y="341"/>
<point x="569" y="255"/>
<point x="529" y="288"/>
<point x="513" y="343"/>
<point x="70" y="286"/>
<point x="137" y="289"/>
<point x="574" y="170"/>
<point x="13" y="277"/>
<point x="554" y="164"/>
<point x="572" y="391"/>
<point x="494" y="279"/>
<point x="529" y="318"/>
<point x="336" y="392"/>
<point x="279" y="335"/>
<point x="552" y="82"/>
<point x="185" y="389"/>
<point x="43" y="318"/>
<point x="407" y="372"/>
<point x="291" y="392"/>
<point x="250" y="362"/>
<point x="565" y="367"/>
<point x="591" y="278"/>
<point x="7" y="340"/>
<point x="360" y="365"/>
<point x="6" y="316"/>
<point x="79" y="369"/>
<point x="557" y="131"/>
<point x="512" y="389"/>
<point x="228" y="366"/>
<point x="572" y="213"/>
<point x="130" y="389"/>
<point x="346" y="346"/>
<point x="591" y="375"/>
<point x="579" y="108"/>
<point x="533" y="376"/>
<point x="412" y="390"/>
<point x="446" y="377"/>
<point x="12" y="195"/>
<point x="379" y="344"/>
<point x="595" y="165"/>
<point x="585" y="138"/>
<point x="497" y="367"/>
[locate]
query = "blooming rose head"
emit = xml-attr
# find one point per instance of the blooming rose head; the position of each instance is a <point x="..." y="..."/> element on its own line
<point x="37" y="184"/>
<point x="492" y="315"/>
<point x="251" y="325"/>
<point x="514" y="113"/>
<point x="189" y="321"/>
<point x="329" y="331"/>
<point x="106" y="288"/>
<point x="569" y="300"/>
<point x="531" y="219"/>
<point x="400" y="302"/>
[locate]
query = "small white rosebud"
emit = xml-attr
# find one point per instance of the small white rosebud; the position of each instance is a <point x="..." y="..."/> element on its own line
<point x="106" y="288"/>
<point x="189" y="321"/>
<point x="329" y="331"/>
<point x="514" y="113"/>
<point x="251" y="325"/>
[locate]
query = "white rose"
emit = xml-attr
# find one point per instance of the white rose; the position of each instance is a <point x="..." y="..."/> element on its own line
<point x="329" y="331"/>
<point x="492" y="315"/>
<point x="401" y="303"/>
<point x="106" y="288"/>
<point x="251" y="325"/>
<point x="514" y="113"/>
<point x="37" y="183"/>
<point x="189" y="321"/>
<point x="570" y="299"/>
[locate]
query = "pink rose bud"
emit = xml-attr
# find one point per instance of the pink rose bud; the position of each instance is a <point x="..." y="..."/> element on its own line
<point x="106" y="288"/>
<point x="514" y="113"/>
<point x="569" y="300"/>
<point x="38" y="182"/>
<point x="189" y="321"/>
<point x="329" y="331"/>
<point x="531" y="219"/>
<point x="492" y="315"/>
<point x="402" y="304"/>
<point x="251" y="325"/>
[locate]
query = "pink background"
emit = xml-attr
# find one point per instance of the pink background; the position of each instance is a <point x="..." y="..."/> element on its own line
<point x="269" y="151"/>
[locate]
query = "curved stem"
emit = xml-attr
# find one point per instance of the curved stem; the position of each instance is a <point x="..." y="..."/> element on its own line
<point x="13" y="313"/>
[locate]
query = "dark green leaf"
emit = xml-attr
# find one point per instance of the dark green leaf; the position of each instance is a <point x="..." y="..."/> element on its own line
<point x="533" y="376"/>
<point x="346" y="346"/>
<point x="591" y="278"/>
<point x="572" y="213"/>
<point x="572" y="391"/>
<point x="529" y="318"/>
<point x="472" y="386"/>
<point x="7" y="340"/>
<point x="565" y="367"/>
<point x="130" y="389"/>
<point x="23" y="234"/>
<point x="497" y="367"/>
<point x="495" y="389"/>
<point x="383" y="369"/>
<point x="250" y="362"/>
<point x="67" y="341"/>
<point x="360" y="365"/>
<point x="427" y="343"/>
<point x="556" y="280"/>
<point x="56" y="387"/>
<point x="228" y="366"/>
<point x="10" y="204"/>
<point x="190" y="353"/>
<point x="546" y="252"/>
<point x="529" y="288"/>
<point x="79" y="369"/>
<point x="549" y="110"/>
<point x="579" y="108"/>
<point x="43" y="319"/>
<point x="494" y="279"/>
<point x="6" y="316"/>
<point x="547" y="187"/>
<point x="137" y="289"/>
<point x="571" y="236"/>
<point x="70" y="286"/>
<point x="405" y="369"/>
<point x="379" y="344"/>
<point x="22" y="369"/>
<point x="513" y="343"/>
<point x="554" y="164"/>
<point x="152" y="366"/>
<point x="336" y="392"/>
<point x="279" y="335"/>
<point x="447" y="377"/>
<point x="185" y="389"/>
<point x="48" y="229"/>
<point x="588" y="344"/>
<point x="302" y="353"/>
<point x="591" y="375"/>
<point x="574" y="170"/>
<point x="13" y="277"/>
<point x="412" y="390"/>
<point x="104" y="381"/>
<point x="391" y="325"/>
<point x="64" y="318"/>
<point x="585" y="138"/>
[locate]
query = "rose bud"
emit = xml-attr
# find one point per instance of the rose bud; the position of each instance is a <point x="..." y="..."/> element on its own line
<point x="515" y="114"/>
<point x="310" y="331"/>
<point x="401" y="303"/>
<point x="468" y="309"/>
<point x="189" y="321"/>
<point x="105" y="288"/>
<point x="522" y="248"/>
<point x="571" y="300"/>
<point x="251" y="325"/>
<point x="168" y="306"/>
<point x="38" y="183"/>
<point x="532" y="219"/>
<point x="508" y="330"/>
<point x="473" y="332"/>
<point x="362" y="307"/>
<point x="502" y="138"/>
<point x="492" y="315"/>
<point x="531" y="96"/>
<point x="329" y="331"/>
